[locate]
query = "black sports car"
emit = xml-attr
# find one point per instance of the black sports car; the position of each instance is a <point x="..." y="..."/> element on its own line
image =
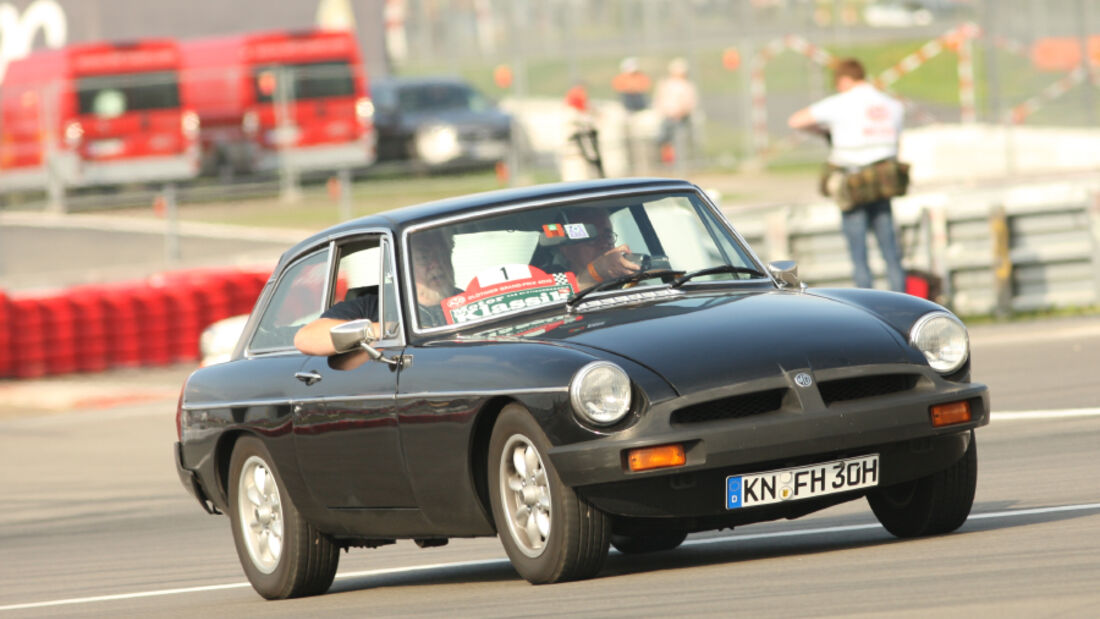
<point x="438" y="122"/>
<point x="569" y="367"/>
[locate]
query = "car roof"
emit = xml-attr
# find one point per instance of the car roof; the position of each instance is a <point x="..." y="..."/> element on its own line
<point x="399" y="219"/>
<point x="401" y="82"/>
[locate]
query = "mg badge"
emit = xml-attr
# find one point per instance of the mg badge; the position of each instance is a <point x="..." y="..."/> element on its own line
<point x="803" y="379"/>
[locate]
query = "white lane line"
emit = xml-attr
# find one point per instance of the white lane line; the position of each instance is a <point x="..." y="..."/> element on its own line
<point x="1047" y="414"/>
<point x="494" y="562"/>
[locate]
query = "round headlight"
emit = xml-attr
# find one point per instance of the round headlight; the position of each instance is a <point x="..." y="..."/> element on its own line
<point x="437" y="144"/>
<point x="600" y="392"/>
<point x="942" y="339"/>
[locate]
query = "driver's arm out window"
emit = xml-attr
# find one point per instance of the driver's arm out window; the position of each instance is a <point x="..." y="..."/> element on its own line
<point x="298" y="299"/>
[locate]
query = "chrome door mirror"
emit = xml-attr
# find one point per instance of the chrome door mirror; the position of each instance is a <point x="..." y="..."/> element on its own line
<point x="348" y="336"/>
<point x="786" y="271"/>
<point x="351" y="335"/>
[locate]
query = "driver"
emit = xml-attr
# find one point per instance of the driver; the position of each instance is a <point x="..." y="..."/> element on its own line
<point x="597" y="259"/>
<point x="434" y="274"/>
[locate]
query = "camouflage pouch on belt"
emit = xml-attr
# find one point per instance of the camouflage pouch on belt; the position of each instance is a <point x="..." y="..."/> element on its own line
<point x="882" y="179"/>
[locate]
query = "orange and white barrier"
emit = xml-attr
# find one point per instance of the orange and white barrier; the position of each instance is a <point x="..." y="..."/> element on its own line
<point x="1020" y="112"/>
<point x="758" y="86"/>
<point x="958" y="40"/>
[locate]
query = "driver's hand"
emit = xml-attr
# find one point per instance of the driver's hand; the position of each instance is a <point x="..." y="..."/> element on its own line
<point x="613" y="263"/>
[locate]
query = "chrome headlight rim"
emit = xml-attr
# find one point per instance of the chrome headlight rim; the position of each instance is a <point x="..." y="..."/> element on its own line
<point x="922" y="323"/>
<point x="577" y="396"/>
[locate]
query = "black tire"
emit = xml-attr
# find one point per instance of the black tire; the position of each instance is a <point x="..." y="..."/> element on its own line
<point x="648" y="542"/>
<point x="932" y="505"/>
<point x="549" y="533"/>
<point x="282" y="554"/>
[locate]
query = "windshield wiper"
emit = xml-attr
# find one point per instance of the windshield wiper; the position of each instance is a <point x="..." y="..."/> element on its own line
<point x="619" y="281"/>
<point x="723" y="268"/>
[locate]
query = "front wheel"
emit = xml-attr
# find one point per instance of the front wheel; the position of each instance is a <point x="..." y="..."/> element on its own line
<point x="282" y="554"/>
<point x="934" y="504"/>
<point x="549" y="533"/>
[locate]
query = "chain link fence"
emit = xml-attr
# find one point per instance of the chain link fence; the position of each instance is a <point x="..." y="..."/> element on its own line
<point x="1000" y="62"/>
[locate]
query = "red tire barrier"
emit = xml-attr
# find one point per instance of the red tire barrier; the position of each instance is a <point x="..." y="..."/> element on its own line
<point x="124" y="329"/>
<point x="184" y="306"/>
<point x="5" y="335"/>
<point x="96" y="327"/>
<point x="59" y="332"/>
<point x="93" y="338"/>
<point x="28" y="342"/>
<point x="155" y="325"/>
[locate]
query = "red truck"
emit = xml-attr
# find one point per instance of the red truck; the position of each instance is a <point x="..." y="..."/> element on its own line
<point x="96" y="114"/>
<point x="262" y="96"/>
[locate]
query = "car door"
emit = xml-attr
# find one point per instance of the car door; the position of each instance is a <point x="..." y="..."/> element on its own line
<point x="346" y="432"/>
<point x="267" y="371"/>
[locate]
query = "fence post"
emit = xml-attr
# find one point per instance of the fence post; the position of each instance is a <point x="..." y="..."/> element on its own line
<point x="777" y="234"/>
<point x="1092" y="211"/>
<point x="172" y="225"/>
<point x="290" y="190"/>
<point x="345" y="193"/>
<point x="1002" y="261"/>
<point x="51" y="154"/>
<point x="937" y="250"/>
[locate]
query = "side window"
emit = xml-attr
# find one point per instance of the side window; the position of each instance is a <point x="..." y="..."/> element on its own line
<point x="365" y="275"/>
<point x="297" y="299"/>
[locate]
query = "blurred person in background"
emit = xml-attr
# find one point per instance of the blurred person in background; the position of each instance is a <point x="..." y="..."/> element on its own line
<point x="580" y="155"/>
<point x="633" y="86"/>
<point x="863" y="126"/>
<point x="675" y="100"/>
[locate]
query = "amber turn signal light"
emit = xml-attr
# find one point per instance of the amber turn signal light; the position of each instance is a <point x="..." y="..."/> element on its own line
<point x="659" y="457"/>
<point x="950" y="414"/>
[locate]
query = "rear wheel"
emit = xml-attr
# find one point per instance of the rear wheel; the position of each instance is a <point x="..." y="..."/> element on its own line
<point x="282" y="554"/>
<point x="648" y="542"/>
<point x="550" y="533"/>
<point x="937" y="503"/>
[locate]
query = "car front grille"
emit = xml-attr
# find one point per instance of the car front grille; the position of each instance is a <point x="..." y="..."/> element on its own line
<point x="846" y="389"/>
<point x="743" y="405"/>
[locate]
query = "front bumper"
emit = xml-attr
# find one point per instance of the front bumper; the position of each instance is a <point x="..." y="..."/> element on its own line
<point x="898" y="428"/>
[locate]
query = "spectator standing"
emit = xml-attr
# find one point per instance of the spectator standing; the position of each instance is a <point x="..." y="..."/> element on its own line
<point x="863" y="126"/>
<point x="675" y="100"/>
<point x="580" y="155"/>
<point x="633" y="86"/>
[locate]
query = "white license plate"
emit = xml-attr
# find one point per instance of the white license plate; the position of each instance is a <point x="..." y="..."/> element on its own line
<point x="105" y="148"/>
<point x="490" y="150"/>
<point x="338" y="129"/>
<point x="801" y="482"/>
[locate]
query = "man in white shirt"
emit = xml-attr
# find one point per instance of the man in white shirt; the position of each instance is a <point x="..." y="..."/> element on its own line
<point x="864" y="126"/>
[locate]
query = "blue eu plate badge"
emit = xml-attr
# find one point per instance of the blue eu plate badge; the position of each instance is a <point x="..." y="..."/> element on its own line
<point x="733" y="492"/>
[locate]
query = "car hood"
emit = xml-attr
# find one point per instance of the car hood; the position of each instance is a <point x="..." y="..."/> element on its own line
<point x="702" y="341"/>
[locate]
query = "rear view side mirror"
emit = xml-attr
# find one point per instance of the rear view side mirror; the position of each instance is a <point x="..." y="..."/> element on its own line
<point x="351" y="335"/>
<point x="359" y="334"/>
<point x="786" y="271"/>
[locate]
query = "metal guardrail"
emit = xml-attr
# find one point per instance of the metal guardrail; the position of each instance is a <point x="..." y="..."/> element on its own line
<point x="1015" y="248"/>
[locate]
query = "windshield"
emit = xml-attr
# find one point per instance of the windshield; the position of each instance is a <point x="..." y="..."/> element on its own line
<point x="511" y="262"/>
<point x="439" y="97"/>
<point x="310" y="80"/>
<point x="110" y="96"/>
